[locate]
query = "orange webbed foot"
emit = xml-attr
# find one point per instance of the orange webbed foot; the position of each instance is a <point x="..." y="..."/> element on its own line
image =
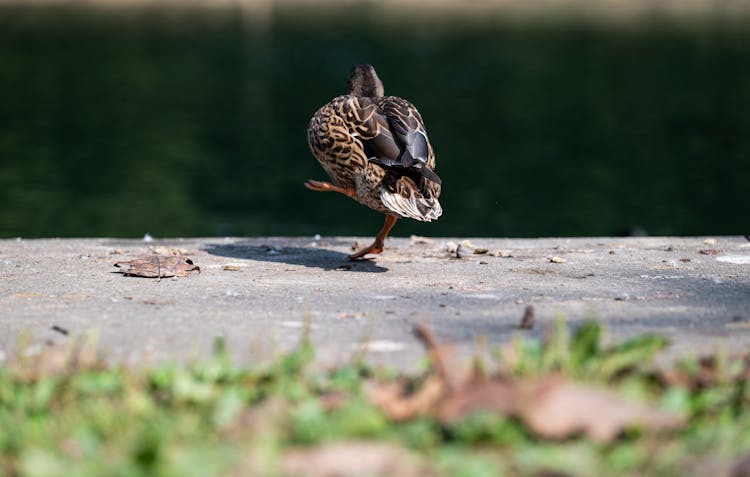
<point x="374" y="248"/>
<point x="379" y="243"/>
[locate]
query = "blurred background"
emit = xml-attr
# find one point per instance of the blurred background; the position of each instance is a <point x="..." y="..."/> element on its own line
<point x="548" y="118"/>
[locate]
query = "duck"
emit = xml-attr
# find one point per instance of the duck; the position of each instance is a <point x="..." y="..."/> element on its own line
<point x="375" y="150"/>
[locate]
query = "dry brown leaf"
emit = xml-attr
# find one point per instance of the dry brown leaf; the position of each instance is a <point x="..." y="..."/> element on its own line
<point x="443" y="358"/>
<point x="354" y="459"/>
<point x="161" y="250"/>
<point x="393" y="400"/>
<point x="551" y="406"/>
<point x="555" y="408"/>
<point x="481" y="395"/>
<point x="158" y="266"/>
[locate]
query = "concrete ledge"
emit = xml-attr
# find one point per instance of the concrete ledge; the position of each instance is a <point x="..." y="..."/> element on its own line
<point x="260" y="292"/>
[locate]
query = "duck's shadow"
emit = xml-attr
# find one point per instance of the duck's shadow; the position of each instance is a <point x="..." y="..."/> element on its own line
<point x="305" y="256"/>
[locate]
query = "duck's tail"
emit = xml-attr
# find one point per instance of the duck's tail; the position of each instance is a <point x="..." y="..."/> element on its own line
<point x="406" y="199"/>
<point x="417" y="208"/>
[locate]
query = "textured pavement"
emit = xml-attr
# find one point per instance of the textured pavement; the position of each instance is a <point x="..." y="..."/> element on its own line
<point x="260" y="293"/>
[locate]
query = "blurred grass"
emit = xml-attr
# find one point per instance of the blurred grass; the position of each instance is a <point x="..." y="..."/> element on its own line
<point x="191" y="121"/>
<point x="80" y="417"/>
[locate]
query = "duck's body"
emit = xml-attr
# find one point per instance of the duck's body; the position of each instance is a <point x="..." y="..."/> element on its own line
<point x="375" y="150"/>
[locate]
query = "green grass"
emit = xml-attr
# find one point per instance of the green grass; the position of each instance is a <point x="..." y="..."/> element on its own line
<point x="65" y="413"/>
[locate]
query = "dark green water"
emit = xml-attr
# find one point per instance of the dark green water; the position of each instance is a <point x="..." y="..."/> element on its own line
<point x="121" y="123"/>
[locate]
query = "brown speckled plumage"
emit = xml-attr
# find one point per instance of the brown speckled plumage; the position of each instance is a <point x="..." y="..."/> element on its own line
<point x="375" y="149"/>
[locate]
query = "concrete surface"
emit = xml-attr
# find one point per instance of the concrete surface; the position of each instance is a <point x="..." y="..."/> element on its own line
<point x="273" y="286"/>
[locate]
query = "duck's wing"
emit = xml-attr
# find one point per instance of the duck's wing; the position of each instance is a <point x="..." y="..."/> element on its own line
<point x="393" y="135"/>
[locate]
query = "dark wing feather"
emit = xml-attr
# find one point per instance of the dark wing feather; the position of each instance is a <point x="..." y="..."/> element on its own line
<point x="394" y="136"/>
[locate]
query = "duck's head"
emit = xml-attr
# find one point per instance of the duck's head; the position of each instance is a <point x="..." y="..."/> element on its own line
<point x="363" y="81"/>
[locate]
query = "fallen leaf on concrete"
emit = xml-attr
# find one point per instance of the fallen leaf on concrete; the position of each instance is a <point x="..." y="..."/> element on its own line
<point x="231" y="268"/>
<point x="556" y="259"/>
<point x="158" y="266"/>
<point x="354" y="459"/>
<point x="527" y="321"/>
<point x="480" y="251"/>
<point x="161" y="250"/>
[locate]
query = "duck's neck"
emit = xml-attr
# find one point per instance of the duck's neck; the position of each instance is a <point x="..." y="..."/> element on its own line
<point x="363" y="81"/>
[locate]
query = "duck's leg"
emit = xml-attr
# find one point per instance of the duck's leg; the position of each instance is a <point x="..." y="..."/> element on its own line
<point x="328" y="187"/>
<point x="377" y="245"/>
